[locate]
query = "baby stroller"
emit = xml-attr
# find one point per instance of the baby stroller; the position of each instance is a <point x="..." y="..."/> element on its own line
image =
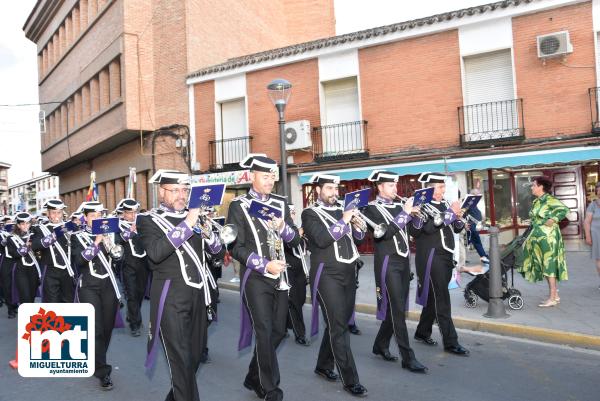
<point x="510" y="259"/>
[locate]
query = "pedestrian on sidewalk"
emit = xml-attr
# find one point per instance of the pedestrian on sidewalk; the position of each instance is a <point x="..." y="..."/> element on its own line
<point x="591" y="226"/>
<point x="544" y="250"/>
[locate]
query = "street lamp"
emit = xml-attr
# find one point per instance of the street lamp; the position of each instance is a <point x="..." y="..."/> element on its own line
<point x="279" y="93"/>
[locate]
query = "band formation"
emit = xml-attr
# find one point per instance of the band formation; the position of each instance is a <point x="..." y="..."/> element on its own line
<point x="170" y="254"/>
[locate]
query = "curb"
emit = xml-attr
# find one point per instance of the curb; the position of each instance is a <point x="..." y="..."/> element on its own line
<point x="507" y="329"/>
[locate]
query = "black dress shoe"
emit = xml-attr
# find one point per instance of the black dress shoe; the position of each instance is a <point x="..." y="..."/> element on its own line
<point x="328" y="374"/>
<point x="354" y="330"/>
<point x="274" y="395"/>
<point x="256" y="387"/>
<point x="302" y="341"/>
<point x="106" y="383"/>
<point x="357" y="390"/>
<point x="425" y="340"/>
<point x="385" y="355"/>
<point x="457" y="350"/>
<point x="414" y="366"/>
<point x="135" y="332"/>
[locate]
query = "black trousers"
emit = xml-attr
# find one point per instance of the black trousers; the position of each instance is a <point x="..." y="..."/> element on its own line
<point x="397" y="281"/>
<point x="182" y="332"/>
<point x="6" y="282"/>
<point x="336" y="295"/>
<point x="135" y="278"/>
<point x="438" y="301"/>
<point x="27" y="282"/>
<point x="297" y="298"/>
<point x="58" y="285"/>
<point x="268" y="310"/>
<point x="100" y="293"/>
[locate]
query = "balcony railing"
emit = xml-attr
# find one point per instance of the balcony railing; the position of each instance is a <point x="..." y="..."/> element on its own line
<point x="491" y="123"/>
<point x="342" y="141"/>
<point x="225" y="154"/>
<point x="594" y="94"/>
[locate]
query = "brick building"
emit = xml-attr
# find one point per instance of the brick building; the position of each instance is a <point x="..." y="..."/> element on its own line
<point x="112" y="79"/>
<point x="463" y="92"/>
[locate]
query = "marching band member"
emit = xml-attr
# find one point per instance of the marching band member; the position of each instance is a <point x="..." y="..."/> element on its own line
<point x="51" y="241"/>
<point x="298" y="280"/>
<point x="179" y="298"/>
<point x="434" y="262"/>
<point x="392" y="269"/>
<point x="332" y="242"/>
<point x="97" y="285"/>
<point x="264" y="306"/>
<point x="6" y="269"/>
<point x="27" y="270"/>
<point x="134" y="264"/>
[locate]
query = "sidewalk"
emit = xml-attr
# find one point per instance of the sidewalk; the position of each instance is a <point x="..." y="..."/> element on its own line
<point x="575" y="321"/>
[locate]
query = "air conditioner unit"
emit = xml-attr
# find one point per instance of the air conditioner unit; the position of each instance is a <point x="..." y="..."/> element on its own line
<point x="297" y="135"/>
<point x="554" y="44"/>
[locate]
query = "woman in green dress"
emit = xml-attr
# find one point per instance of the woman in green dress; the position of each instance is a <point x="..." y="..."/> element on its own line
<point x="544" y="250"/>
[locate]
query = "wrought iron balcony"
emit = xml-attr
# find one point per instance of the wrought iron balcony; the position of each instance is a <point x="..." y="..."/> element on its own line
<point x="225" y="154"/>
<point x="594" y="93"/>
<point x="492" y="123"/>
<point x="344" y="141"/>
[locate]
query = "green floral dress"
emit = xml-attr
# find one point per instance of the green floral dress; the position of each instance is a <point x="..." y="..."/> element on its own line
<point x="544" y="250"/>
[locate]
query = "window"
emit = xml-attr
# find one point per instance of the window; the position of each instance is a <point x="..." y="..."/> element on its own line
<point x="232" y="140"/>
<point x="490" y="107"/>
<point x="342" y="131"/>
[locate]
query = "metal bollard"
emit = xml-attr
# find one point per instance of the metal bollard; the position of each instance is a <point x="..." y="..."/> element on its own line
<point x="496" y="308"/>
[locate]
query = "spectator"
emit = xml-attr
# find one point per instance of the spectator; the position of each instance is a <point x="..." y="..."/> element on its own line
<point x="591" y="226"/>
<point x="544" y="250"/>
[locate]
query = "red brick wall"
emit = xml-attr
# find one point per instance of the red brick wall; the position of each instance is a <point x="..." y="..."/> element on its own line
<point x="304" y="104"/>
<point x="555" y="97"/>
<point x="410" y="91"/>
<point x="204" y="102"/>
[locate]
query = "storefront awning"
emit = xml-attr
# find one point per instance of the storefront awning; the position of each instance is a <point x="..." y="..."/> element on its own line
<point x="520" y="159"/>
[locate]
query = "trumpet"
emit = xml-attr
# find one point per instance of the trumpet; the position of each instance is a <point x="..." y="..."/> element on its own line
<point x="433" y="213"/>
<point x="362" y="221"/>
<point x="116" y="251"/>
<point x="228" y="233"/>
<point x="276" y="252"/>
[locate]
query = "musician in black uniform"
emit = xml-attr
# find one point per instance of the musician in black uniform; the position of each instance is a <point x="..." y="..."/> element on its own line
<point x="28" y="274"/>
<point x="6" y="269"/>
<point x="332" y="242"/>
<point x="260" y="275"/>
<point x="179" y="298"/>
<point x="134" y="266"/>
<point x="436" y="238"/>
<point x="392" y="268"/>
<point x="297" y="275"/>
<point x="52" y="243"/>
<point x="97" y="284"/>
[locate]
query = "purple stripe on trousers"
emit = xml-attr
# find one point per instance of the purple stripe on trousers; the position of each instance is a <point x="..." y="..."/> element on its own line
<point x="352" y="321"/>
<point x="41" y="287"/>
<point x="314" y="324"/>
<point x="382" y="310"/>
<point x="76" y="297"/>
<point x="151" y="357"/>
<point x="421" y="299"/>
<point x="245" y="323"/>
<point x="13" y="285"/>
<point x="119" y="324"/>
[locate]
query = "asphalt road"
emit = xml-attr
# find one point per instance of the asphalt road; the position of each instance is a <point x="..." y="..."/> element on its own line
<point x="499" y="368"/>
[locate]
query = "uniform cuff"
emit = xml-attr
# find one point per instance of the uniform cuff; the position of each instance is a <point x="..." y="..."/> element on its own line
<point x="449" y="217"/>
<point x="287" y="233"/>
<point x="23" y="250"/>
<point x="417" y="223"/>
<point x="358" y="234"/>
<point x="402" y="219"/>
<point x="48" y="240"/>
<point x="178" y="235"/>
<point x="214" y="243"/>
<point x="338" y="230"/>
<point x="257" y="263"/>
<point x="90" y="252"/>
<point x="126" y="235"/>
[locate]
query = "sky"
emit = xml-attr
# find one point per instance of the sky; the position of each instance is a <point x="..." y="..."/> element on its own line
<point x="19" y="129"/>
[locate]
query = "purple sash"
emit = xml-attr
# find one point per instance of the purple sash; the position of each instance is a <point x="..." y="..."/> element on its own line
<point x="245" y="323"/>
<point x="421" y="298"/>
<point x="151" y="357"/>
<point x="315" y="305"/>
<point x="382" y="310"/>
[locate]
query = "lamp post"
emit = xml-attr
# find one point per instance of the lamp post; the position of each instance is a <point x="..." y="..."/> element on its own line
<point x="279" y="93"/>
